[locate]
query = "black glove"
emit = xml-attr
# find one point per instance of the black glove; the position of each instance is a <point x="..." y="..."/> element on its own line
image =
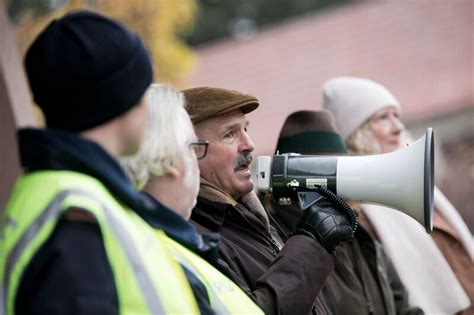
<point x="324" y="222"/>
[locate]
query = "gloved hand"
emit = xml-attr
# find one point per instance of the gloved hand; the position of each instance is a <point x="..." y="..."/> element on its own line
<point x="325" y="223"/>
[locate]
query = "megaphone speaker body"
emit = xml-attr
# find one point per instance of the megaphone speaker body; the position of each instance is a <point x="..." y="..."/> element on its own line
<point x="403" y="180"/>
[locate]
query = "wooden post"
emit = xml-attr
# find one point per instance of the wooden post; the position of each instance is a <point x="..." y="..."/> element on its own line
<point x="15" y="106"/>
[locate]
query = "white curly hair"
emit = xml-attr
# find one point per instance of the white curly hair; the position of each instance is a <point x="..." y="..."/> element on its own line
<point x="166" y="140"/>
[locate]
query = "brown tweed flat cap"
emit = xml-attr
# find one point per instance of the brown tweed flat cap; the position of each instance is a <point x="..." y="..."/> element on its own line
<point x="207" y="102"/>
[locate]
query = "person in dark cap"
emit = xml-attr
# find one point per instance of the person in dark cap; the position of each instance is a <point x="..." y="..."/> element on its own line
<point x="303" y="132"/>
<point x="364" y="280"/>
<point x="74" y="237"/>
<point x="311" y="131"/>
<point x="282" y="277"/>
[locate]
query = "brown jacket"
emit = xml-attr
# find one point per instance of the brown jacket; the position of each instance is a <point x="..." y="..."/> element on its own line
<point x="284" y="280"/>
<point x="364" y="280"/>
<point x="447" y="240"/>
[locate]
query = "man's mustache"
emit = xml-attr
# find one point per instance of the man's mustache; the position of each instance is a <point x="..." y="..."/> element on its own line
<point x="244" y="159"/>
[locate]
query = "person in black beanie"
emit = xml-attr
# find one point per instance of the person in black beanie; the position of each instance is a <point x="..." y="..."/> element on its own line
<point x="76" y="236"/>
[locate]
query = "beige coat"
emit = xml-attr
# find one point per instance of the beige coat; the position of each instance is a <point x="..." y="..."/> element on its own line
<point x="434" y="283"/>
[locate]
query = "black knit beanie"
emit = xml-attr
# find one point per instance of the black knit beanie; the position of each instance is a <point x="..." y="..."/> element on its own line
<point x="85" y="69"/>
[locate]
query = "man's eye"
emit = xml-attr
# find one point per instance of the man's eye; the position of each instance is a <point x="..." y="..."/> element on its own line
<point x="230" y="134"/>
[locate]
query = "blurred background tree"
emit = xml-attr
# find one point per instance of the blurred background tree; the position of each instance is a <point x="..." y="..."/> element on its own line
<point x="158" y="22"/>
<point x="168" y="27"/>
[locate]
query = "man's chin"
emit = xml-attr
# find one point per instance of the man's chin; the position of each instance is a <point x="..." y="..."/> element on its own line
<point x="244" y="188"/>
<point x="248" y="188"/>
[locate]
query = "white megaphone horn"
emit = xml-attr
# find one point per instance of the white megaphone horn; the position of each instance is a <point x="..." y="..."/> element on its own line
<point x="402" y="180"/>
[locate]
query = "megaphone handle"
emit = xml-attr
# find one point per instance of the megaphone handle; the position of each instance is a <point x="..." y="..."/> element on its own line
<point x="342" y="205"/>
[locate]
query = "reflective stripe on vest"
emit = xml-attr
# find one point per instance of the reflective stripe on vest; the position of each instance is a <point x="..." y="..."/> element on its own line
<point x="118" y="233"/>
<point x="225" y="296"/>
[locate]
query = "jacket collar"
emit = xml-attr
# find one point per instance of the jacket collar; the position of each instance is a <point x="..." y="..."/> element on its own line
<point x="52" y="149"/>
<point x="213" y="193"/>
<point x="216" y="202"/>
<point x="221" y="203"/>
<point x="184" y="232"/>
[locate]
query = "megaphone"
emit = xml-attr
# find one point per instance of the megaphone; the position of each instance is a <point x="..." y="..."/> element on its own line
<point x="402" y="180"/>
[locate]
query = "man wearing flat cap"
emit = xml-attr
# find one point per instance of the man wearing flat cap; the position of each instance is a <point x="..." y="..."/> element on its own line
<point x="283" y="276"/>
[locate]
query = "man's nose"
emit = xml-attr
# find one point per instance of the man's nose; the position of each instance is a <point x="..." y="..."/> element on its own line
<point x="246" y="143"/>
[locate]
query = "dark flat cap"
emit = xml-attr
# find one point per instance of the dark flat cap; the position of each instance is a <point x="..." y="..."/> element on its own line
<point x="207" y="102"/>
<point x="310" y="132"/>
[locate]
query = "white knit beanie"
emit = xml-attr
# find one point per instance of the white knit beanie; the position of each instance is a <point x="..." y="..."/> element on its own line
<point x="354" y="100"/>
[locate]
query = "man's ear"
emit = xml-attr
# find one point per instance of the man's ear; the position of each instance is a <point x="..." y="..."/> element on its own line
<point x="171" y="169"/>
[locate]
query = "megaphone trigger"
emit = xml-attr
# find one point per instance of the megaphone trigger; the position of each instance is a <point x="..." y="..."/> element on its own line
<point x="307" y="198"/>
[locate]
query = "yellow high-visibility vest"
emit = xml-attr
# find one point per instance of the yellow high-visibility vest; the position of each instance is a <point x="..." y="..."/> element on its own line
<point x="225" y="296"/>
<point x="147" y="278"/>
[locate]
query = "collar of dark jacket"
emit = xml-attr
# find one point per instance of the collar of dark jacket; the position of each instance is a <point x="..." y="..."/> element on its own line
<point x="213" y="193"/>
<point x="184" y="232"/>
<point x="50" y="149"/>
<point x="223" y="202"/>
<point x="210" y="214"/>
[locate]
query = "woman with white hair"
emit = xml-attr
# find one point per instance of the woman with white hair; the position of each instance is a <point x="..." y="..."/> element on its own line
<point x="437" y="270"/>
<point x="166" y="170"/>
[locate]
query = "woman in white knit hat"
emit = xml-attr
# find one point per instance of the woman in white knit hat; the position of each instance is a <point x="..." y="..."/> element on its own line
<point x="437" y="270"/>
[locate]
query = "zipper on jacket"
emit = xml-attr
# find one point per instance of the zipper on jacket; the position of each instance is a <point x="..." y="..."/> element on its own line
<point x="370" y="308"/>
<point x="275" y="246"/>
